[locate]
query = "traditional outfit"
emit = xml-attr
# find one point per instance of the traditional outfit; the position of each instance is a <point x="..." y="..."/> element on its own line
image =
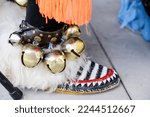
<point x="52" y="55"/>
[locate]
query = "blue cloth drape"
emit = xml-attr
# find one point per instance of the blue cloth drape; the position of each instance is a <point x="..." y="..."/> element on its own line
<point x="133" y="15"/>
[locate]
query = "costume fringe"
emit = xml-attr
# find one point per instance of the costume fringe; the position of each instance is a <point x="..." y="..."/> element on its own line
<point x="68" y="11"/>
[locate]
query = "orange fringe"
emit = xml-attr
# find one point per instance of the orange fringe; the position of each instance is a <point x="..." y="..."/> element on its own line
<point x="68" y="11"/>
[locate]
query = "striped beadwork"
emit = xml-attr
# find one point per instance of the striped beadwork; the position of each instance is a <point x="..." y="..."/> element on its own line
<point x="92" y="78"/>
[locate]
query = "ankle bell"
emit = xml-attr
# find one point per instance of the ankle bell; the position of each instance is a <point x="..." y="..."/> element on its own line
<point x="31" y="55"/>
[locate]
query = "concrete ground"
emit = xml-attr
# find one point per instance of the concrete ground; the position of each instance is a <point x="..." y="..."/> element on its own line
<point x="111" y="46"/>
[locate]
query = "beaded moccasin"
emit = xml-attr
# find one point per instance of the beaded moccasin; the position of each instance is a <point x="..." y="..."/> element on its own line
<point x="92" y="78"/>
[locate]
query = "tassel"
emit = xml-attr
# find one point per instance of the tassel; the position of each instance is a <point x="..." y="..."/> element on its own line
<point x="68" y="11"/>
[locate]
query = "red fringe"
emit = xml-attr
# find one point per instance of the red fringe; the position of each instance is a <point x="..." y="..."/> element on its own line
<point x="68" y="11"/>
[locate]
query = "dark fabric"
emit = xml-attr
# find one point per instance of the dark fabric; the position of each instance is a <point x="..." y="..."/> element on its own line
<point x="146" y="4"/>
<point x="34" y="18"/>
<point x="11" y="0"/>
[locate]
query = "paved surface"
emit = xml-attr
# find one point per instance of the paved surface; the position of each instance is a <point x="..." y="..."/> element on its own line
<point x="109" y="45"/>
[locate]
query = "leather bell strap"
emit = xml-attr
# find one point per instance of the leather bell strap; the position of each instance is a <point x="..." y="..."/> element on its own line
<point x="35" y="40"/>
<point x="31" y="34"/>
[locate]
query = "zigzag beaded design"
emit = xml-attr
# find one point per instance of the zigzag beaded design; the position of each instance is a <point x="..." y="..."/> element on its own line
<point x="92" y="78"/>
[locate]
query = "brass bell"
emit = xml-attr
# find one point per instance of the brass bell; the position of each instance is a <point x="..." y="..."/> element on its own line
<point x="31" y="55"/>
<point x="55" y="61"/>
<point x="73" y="48"/>
<point x="22" y="2"/>
<point x="72" y="31"/>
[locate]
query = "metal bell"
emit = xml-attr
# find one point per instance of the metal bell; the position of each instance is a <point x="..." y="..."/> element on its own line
<point x="22" y="2"/>
<point x="72" y="31"/>
<point x="55" y="61"/>
<point x="73" y="48"/>
<point x="14" y="39"/>
<point x="31" y="55"/>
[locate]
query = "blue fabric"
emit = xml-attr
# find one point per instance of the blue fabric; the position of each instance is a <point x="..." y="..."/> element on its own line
<point x="133" y="15"/>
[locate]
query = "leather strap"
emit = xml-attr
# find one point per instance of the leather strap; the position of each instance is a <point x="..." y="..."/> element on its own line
<point x="30" y="34"/>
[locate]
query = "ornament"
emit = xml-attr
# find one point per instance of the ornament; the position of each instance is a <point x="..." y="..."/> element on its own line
<point x="31" y="55"/>
<point x="14" y="39"/>
<point x="39" y="46"/>
<point x="72" y="31"/>
<point x="55" y="61"/>
<point x="22" y="2"/>
<point x="73" y="48"/>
